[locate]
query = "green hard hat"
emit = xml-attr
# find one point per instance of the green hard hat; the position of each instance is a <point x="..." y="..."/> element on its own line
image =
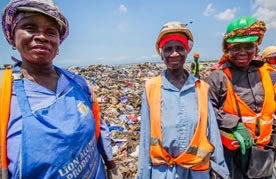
<point x="239" y="23"/>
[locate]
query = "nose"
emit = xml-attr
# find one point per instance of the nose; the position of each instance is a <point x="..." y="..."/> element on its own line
<point x="243" y="51"/>
<point x="40" y="36"/>
<point x="174" y="53"/>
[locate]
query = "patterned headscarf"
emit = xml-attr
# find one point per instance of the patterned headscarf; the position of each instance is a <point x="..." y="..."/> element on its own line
<point x="16" y="10"/>
<point x="258" y="29"/>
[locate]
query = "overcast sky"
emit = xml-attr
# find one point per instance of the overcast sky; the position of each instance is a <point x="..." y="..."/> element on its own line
<point x="124" y="31"/>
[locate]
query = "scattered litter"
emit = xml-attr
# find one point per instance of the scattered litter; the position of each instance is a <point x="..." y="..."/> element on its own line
<point x="117" y="128"/>
<point x="119" y="91"/>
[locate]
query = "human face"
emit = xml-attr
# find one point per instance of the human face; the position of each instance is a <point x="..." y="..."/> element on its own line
<point x="174" y="55"/>
<point x="37" y="39"/>
<point x="242" y="54"/>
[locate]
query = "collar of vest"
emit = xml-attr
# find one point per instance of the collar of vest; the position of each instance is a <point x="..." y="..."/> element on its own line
<point x="253" y="66"/>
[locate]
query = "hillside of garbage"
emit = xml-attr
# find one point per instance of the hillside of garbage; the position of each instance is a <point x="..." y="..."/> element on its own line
<point x="119" y="90"/>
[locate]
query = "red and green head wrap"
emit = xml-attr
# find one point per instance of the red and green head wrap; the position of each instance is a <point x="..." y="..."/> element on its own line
<point x="244" y="29"/>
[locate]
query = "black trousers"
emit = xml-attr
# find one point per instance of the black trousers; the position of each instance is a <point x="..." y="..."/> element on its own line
<point x="238" y="164"/>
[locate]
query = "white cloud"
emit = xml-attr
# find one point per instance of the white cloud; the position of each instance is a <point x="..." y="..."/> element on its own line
<point x="265" y="10"/>
<point x="265" y="3"/>
<point x="209" y="10"/>
<point x="226" y="15"/>
<point x="122" y="8"/>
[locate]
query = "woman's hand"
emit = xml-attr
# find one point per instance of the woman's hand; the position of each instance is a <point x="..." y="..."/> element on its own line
<point x="243" y="136"/>
<point x="113" y="172"/>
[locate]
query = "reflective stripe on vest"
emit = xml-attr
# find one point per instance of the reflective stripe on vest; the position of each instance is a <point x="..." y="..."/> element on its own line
<point x="197" y="155"/>
<point x="249" y="117"/>
<point x="5" y="100"/>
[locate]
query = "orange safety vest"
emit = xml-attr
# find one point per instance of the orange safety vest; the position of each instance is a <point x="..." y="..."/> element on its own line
<point x="250" y="119"/>
<point x="96" y="111"/>
<point x="269" y="67"/>
<point x="5" y="102"/>
<point x="197" y="155"/>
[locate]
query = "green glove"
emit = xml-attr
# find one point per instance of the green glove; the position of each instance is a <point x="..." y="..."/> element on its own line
<point x="243" y="136"/>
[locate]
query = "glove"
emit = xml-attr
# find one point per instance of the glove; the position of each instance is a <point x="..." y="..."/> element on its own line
<point x="243" y="136"/>
<point x="114" y="173"/>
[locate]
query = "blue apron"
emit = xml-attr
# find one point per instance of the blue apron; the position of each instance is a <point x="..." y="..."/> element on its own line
<point x="56" y="146"/>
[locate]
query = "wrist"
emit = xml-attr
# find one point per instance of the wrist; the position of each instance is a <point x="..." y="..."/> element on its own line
<point x="238" y="126"/>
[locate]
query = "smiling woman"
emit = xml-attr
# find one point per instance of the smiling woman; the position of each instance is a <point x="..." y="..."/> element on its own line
<point x="36" y="37"/>
<point x="243" y="97"/>
<point x="51" y="108"/>
<point x="242" y="54"/>
<point x="177" y="117"/>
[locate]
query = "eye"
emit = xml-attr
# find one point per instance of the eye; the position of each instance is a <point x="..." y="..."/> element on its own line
<point x="180" y="48"/>
<point x="250" y="48"/>
<point x="29" y="28"/>
<point x="52" y="32"/>
<point x="234" y="49"/>
<point x="167" y="49"/>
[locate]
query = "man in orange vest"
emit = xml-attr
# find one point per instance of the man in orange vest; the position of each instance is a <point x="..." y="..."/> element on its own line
<point x="243" y="98"/>
<point x="179" y="134"/>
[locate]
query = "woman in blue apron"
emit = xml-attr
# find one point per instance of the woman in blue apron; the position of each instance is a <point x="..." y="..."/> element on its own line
<point x="51" y="129"/>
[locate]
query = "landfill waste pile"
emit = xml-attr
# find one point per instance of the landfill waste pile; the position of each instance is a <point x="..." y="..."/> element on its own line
<point x="119" y="90"/>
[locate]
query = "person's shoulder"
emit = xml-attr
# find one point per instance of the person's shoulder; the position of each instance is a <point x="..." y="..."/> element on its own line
<point x="256" y="63"/>
<point x="153" y="80"/>
<point x="216" y="77"/>
<point x="217" y="74"/>
<point x="77" y="78"/>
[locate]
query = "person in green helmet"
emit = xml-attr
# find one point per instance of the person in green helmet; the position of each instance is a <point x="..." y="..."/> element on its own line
<point x="242" y="94"/>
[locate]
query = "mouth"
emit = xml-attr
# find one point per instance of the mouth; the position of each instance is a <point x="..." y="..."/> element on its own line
<point x="174" y="60"/>
<point x="242" y="59"/>
<point x="40" y="48"/>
